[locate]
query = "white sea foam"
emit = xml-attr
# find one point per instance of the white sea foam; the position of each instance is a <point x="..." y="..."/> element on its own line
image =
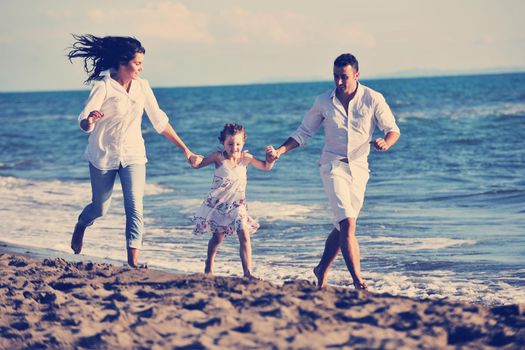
<point x="433" y="285"/>
<point x="446" y="284"/>
<point x="41" y="214"/>
<point x="416" y="243"/>
<point x="269" y="212"/>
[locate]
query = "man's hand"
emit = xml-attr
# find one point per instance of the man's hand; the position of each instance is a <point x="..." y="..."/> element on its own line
<point x="271" y="154"/>
<point x="380" y="144"/>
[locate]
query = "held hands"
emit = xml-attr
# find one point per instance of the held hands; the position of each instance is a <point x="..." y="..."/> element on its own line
<point x="194" y="159"/>
<point x="380" y="144"/>
<point x="271" y="154"/>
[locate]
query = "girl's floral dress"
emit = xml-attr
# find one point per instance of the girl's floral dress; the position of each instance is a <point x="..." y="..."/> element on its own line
<point x="225" y="209"/>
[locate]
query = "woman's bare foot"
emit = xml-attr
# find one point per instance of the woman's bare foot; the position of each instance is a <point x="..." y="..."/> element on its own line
<point x="321" y="278"/>
<point x="78" y="238"/>
<point x="133" y="257"/>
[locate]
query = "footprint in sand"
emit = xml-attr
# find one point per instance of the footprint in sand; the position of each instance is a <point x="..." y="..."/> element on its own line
<point x="66" y="286"/>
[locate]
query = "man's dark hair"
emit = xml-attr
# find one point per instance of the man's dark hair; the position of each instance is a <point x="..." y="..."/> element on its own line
<point x="345" y="60"/>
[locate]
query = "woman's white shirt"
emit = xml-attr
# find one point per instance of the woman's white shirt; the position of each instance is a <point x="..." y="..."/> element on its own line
<point x="116" y="138"/>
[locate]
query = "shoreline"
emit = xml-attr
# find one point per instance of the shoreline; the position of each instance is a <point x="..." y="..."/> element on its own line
<point x="58" y="303"/>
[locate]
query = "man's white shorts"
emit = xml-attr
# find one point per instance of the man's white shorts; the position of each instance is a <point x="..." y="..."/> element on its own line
<point x="345" y="187"/>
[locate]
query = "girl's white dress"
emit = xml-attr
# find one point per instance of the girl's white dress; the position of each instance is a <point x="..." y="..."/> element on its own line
<point x="225" y="209"/>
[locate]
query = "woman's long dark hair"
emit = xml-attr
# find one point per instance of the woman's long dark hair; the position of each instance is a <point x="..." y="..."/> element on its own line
<point x="103" y="53"/>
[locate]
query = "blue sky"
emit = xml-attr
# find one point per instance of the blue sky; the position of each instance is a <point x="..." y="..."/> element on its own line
<point x="207" y="42"/>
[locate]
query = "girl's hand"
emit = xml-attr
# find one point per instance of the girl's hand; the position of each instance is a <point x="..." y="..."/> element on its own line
<point x="271" y="154"/>
<point x="380" y="144"/>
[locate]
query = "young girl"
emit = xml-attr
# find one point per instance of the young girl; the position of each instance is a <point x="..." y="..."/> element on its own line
<point x="224" y="212"/>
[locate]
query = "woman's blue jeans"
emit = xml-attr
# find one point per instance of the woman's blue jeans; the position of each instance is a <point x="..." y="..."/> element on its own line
<point x="133" y="180"/>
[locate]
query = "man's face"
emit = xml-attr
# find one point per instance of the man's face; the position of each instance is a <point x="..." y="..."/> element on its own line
<point x="345" y="79"/>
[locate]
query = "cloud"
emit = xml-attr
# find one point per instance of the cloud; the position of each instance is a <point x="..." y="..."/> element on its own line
<point x="355" y="36"/>
<point x="487" y="39"/>
<point x="59" y="14"/>
<point x="172" y="22"/>
<point x="285" y="29"/>
<point x="245" y="27"/>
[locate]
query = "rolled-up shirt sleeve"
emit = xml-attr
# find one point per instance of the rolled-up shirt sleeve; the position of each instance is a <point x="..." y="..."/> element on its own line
<point x="94" y="103"/>
<point x="384" y="117"/>
<point x="310" y="124"/>
<point x="158" y="118"/>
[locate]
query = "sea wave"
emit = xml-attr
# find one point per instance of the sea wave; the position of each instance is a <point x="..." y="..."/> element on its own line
<point x="502" y="109"/>
<point x="415" y="243"/>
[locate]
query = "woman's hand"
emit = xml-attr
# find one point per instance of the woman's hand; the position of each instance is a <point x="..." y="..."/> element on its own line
<point x="94" y="116"/>
<point x="87" y="124"/>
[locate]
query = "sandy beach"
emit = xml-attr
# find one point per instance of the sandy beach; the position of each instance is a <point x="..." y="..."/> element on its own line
<point x="58" y="304"/>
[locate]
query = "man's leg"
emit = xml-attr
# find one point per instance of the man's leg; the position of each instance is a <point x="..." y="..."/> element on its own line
<point x="102" y="182"/>
<point x="331" y="249"/>
<point x="350" y="249"/>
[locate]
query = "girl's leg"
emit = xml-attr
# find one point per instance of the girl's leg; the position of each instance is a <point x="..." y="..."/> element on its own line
<point x="101" y="189"/>
<point x="245" y="251"/>
<point x="331" y="249"/>
<point x="213" y="246"/>
<point x="133" y="181"/>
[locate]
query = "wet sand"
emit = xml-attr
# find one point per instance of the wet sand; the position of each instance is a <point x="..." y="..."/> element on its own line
<point x="59" y="304"/>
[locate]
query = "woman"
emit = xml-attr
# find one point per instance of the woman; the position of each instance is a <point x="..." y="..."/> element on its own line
<point x="112" y="116"/>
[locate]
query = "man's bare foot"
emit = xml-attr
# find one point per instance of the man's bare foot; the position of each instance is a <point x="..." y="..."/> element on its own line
<point x="321" y="278"/>
<point x="133" y="257"/>
<point x="251" y="277"/>
<point x="78" y="238"/>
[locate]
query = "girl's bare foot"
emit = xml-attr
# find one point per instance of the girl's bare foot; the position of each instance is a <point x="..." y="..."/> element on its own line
<point x="361" y="285"/>
<point x="78" y="238"/>
<point x="321" y="278"/>
<point x="208" y="267"/>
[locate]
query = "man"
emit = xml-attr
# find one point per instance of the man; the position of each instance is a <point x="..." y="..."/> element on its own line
<point x="349" y="114"/>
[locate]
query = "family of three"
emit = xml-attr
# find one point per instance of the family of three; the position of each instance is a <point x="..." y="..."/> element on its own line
<point x="112" y="115"/>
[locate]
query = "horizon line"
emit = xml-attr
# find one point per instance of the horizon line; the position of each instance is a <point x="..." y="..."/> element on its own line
<point x="392" y="76"/>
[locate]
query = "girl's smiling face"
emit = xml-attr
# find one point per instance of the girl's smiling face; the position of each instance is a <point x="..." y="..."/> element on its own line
<point x="233" y="145"/>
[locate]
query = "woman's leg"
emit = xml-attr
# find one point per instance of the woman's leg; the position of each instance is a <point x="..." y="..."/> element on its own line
<point x="102" y="182"/>
<point x="133" y="181"/>
<point x="213" y="246"/>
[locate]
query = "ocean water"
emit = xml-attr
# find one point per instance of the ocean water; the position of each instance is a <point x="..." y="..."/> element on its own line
<point x="444" y="214"/>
